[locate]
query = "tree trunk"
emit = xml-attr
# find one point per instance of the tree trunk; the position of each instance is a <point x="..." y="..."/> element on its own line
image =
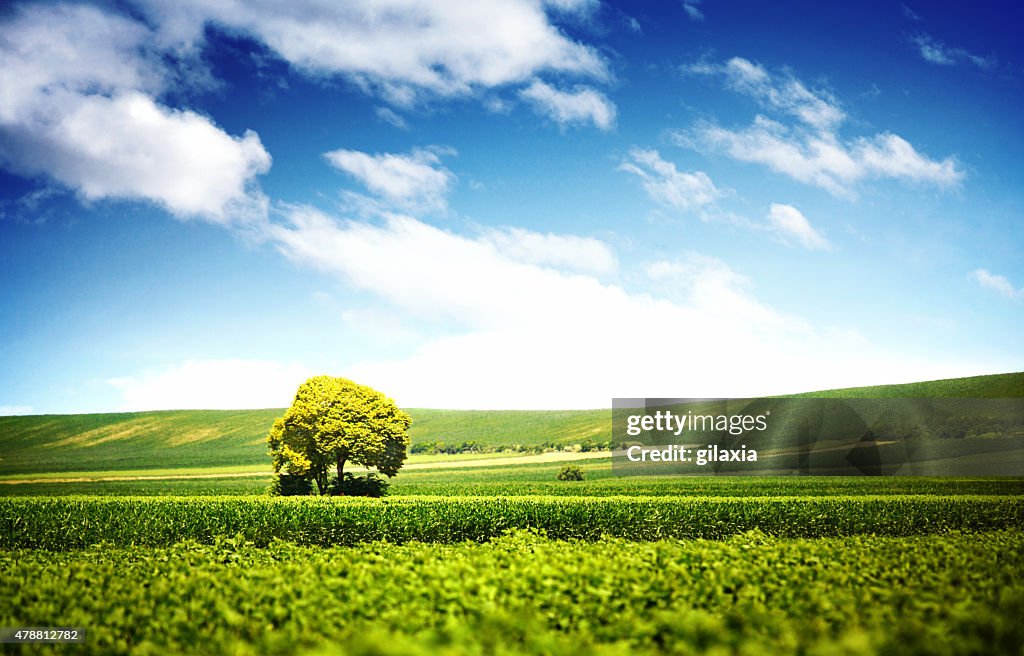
<point x="341" y="470"/>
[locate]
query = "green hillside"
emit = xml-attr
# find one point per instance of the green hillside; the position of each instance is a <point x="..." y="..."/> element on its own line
<point x="219" y="438"/>
<point x="996" y="386"/>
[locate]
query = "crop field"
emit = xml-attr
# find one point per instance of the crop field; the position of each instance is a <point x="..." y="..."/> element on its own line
<point x="227" y="438"/>
<point x="524" y="593"/>
<point x="811" y="572"/>
<point x="188" y="554"/>
<point x="71" y="523"/>
<point x="538" y="479"/>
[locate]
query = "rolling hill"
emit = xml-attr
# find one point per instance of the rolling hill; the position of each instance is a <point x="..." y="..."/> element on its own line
<point x="223" y="438"/>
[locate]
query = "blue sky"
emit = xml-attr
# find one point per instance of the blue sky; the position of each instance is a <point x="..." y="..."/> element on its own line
<point x="516" y="204"/>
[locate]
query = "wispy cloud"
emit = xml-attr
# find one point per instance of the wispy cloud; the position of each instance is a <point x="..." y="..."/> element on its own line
<point x="389" y="115"/>
<point x="666" y="185"/>
<point x="692" y="9"/>
<point x="910" y="13"/>
<point x="936" y="52"/>
<point x="581" y="105"/>
<point x="211" y="385"/>
<point x="810" y="149"/>
<point x="783" y="93"/>
<point x="416" y="181"/>
<point x="791" y="226"/>
<point x="995" y="282"/>
<point x="562" y="252"/>
<point x="515" y="319"/>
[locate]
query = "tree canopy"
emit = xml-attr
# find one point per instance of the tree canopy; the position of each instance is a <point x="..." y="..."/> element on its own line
<point x="334" y="421"/>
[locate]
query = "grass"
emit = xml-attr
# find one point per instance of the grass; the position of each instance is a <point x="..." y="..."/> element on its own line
<point x="235" y="438"/>
<point x="495" y="559"/>
<point x="60" y="523"/>
<point x="522" y="593"/>
<point x="229" y="471"/>
<point x="994" y="386"/>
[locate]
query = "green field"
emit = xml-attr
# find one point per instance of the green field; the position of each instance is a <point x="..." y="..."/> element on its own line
<point x="517" y="479"/>
<point x="523" y="593"/>
<point x="194" y="557"/>
<point x="75" y="522"/>
<point x="225" y="438"/>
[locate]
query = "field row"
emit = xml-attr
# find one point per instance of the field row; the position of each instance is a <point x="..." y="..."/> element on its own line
<point x="516" y="478"/>
<point x="525" y="594"/>
<point x="75" y="522"/>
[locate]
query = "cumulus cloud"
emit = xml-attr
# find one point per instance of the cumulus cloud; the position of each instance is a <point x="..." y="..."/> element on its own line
<point x="791" y="226"/>
<point x="934" y="51"/>
<point x="582" y="105"/>
<point x="668" y="186"/>
<point x="212" y="385"/>
<point x="810" y="149"/>
<point x="448" y="48"/>
<point x="999" y="284"/>
<point x="82" y="87"/>
<point x="414" y="181"/>
<point x="130" y="147"/>
<point x="78" y="104"/>
<point x="535" y="335"/>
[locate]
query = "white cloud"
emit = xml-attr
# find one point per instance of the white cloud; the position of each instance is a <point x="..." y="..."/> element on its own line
<point x="784" y="93"/>
<point x="212" y="385"/>
<point x="566" y="252"/>
<point x="414" y="181"/>
<point x="130" y="147"/>
<point x="997" y="283"/>
<point x="69" y="50"/>
<point x="667" y="185"/>
<point x="582" y="105"/>
<point x="890" y="156"/>
<point x="692" y="9"/>
<point x="77" y="103"/>
<point x="910" y="13"/>
<point x="13" y="410"/>
<point x="582" y="7"/>
<point x="936" y="52"/>
<point x="811" y="149"/>
<point x="447" y="48"/>
<point x="534" y="336"/>
<point x="790" y="225"/>
<point x="389" y="115"/>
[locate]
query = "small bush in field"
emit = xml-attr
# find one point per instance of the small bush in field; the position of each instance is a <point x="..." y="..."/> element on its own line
<point x="369" y="485"/>
<point x="287" y="485"/>
<point x="570" y="473"/>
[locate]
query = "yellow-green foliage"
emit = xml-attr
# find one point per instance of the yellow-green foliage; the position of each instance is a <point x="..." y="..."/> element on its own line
<point x="76" y="522"/>
<point x="334" y="421"/>
<point x="522" y="593"/>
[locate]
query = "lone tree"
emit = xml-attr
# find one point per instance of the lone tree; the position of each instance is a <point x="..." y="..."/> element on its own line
<point x="334" y="421"/>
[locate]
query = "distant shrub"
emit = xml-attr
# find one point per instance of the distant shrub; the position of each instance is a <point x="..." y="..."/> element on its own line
<point x="570" y="473"/>
<point x="370" y="485"/>
<point x="289" y="485"/>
